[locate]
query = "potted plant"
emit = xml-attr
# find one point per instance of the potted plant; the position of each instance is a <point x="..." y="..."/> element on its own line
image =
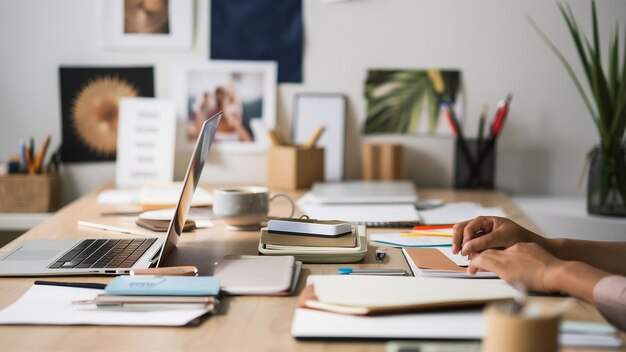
<point x="606" y="103"/>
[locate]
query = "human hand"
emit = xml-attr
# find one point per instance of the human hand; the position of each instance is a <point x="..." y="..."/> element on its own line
<point x="526" y="264"/>
<point x="484" y="232"/>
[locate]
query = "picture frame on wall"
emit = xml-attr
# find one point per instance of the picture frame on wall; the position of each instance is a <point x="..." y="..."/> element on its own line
<point x="142" y="24"/>
<point x="245" y="91"/>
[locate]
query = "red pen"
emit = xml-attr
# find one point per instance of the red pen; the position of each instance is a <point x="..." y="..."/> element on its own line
<point x="501" y="114"/>
<point x="451" y="120"/>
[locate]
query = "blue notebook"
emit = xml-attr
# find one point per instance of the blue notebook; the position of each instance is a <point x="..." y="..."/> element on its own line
<point x="164" y="286"/>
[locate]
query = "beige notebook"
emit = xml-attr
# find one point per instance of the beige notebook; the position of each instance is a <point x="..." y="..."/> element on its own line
<point x="278" y="239"/>
<point x="431" y="262"/>
<point x="369" y="295"/>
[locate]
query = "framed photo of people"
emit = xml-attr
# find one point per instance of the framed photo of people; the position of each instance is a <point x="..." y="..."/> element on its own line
<point x="245" y="91"/>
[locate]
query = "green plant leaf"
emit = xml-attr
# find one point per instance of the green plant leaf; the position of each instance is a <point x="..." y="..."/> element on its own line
<point x="614" y="66"/>
<point x="570" y="20"/>
<point x="601" y="93"/>
<point x="596" y="37"/>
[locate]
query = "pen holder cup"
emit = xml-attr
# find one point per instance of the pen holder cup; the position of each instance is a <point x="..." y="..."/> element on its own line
<point x="511" y="332"/>
<point x="475" y="164"/>
<point x="29" y="193"/>
<point x="293" y="167"/>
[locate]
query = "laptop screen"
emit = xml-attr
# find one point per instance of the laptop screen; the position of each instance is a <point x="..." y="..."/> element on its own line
<point x="192" y="177"/>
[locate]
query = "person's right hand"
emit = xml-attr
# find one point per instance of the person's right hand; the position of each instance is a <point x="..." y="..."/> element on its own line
<point x="485" y="232"/>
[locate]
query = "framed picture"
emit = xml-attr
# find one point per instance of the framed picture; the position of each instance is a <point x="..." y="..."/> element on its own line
<point x="90" y="107"/>
<point x="140" y="24"/>
<point x="245" y="91"/>
<point x="409" y="101"/>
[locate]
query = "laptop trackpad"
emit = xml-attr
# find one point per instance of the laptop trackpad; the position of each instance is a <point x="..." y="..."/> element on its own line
<point x="31" y="255"/>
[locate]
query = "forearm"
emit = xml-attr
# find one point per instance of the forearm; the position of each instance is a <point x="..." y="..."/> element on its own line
<point x="575" y="278"/>
<point x="607" y="256"/>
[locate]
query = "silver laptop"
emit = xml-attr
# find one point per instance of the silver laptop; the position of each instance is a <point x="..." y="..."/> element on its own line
<point x="111" y="256"/>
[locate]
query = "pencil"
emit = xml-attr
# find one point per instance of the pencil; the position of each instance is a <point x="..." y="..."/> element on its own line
<point x="314" y="137"/>
<point x="41" y="155"/>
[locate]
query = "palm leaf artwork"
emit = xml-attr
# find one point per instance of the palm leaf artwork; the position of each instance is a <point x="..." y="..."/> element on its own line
<point x="606" y="102"/>
<point x="396" y="99"/>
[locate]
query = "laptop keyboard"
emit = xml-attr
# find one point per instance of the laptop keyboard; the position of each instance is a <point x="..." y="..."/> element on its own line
<point x="103" y="254"/>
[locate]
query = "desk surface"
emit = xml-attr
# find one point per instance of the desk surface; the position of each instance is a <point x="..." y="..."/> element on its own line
<point x="243" y="323"/>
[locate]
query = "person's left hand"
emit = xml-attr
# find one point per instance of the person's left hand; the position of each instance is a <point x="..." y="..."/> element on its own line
<point x="526" y="264"/>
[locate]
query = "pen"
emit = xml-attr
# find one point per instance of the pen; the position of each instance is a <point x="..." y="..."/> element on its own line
<point x="23" y="156"/>
<point x="432" y="227"/>
<point x="503" y="110"/>
<point x="102" y="227"/>
<point x="29" y="160"/>
<point x="350" y="271"/>
<point x="481" y="126"/>
<point x="458" y="130"/>
<point x="425" y="234"/>
<point x="72" y="284"/>
<point x="140" y="306"/>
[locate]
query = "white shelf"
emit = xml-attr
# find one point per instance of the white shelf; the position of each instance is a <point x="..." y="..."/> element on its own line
<point x="568" y="217"/>
<point x="21" y="221"/>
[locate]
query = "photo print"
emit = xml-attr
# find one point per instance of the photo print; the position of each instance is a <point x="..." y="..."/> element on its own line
<point x="138" y="24"/>
<point x="146" y="16"/>
<point x="409" y="101"/>
<point x="244" y="91"/>
<point x="90" y="106"/>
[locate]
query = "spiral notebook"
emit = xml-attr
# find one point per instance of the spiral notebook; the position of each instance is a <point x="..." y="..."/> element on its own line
<point x="370" y="215"/>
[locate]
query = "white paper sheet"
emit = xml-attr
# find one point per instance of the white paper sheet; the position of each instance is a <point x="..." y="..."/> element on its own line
<point x="153" y="194"/>
<point x="452" y="213"/>
<point x="52" y="305"/>
<point x="466" y="324"/>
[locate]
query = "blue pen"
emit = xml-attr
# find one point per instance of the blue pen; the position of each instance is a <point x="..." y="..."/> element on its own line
<point x="24" y="166"/>
<point x="350" y="271"/>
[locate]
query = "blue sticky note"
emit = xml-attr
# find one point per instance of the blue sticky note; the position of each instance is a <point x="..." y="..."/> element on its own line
<point x="164" y="286"/>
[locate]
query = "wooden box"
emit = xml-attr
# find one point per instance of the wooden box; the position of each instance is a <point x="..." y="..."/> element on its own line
<point x="293" y="167"/>
<point x="383" y="162"/>
<point x="22" y="193"/>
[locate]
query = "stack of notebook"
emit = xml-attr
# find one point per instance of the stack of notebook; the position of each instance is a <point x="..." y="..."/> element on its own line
<point x="310" y="248"/>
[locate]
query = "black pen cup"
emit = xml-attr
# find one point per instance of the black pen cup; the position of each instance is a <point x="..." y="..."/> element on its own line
<point x="475" y="164"/>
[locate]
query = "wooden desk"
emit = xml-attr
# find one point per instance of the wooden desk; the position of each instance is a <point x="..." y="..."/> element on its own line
<point x="243" y="323"/>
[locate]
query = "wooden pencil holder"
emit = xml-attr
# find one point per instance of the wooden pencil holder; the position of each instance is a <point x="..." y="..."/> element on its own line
<point x="20" y="193"/>
<point x="383" y="162"/>
<point x="293" y="167"/>
<point x="518" y="333"/>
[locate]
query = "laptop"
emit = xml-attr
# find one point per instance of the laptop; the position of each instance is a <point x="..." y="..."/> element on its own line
<point x="115" y="256"/>
<point x="364" y="192"/>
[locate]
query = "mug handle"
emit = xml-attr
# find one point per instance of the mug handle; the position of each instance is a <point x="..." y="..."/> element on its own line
<point x="293" y="206"/>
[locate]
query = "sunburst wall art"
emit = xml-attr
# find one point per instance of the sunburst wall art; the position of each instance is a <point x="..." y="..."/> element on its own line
<point x="89" y="107"/>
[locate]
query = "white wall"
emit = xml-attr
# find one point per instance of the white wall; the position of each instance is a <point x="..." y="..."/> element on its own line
<point x="542" y="149"/>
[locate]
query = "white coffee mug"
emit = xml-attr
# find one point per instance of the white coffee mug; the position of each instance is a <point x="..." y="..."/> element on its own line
<point x="244" y="208"/>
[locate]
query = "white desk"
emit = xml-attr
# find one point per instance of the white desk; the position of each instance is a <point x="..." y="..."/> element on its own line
<point x="567" y="217"/>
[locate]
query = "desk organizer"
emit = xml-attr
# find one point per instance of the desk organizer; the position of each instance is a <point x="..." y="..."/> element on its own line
<point x="29" y="193"/>
<point x="291" y="167"/>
